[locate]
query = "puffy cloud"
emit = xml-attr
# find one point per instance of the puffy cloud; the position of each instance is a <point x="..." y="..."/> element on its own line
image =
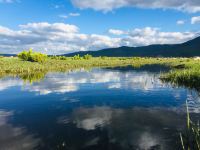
<point x="46" y="27"/>
<point x="195" y="20"/>
<point x="57" y="38"/>
<point x="180" y="22"/>
<point x="109" y="5"/>
<point x="148" y="35"/>
<point x="115" y="32"/>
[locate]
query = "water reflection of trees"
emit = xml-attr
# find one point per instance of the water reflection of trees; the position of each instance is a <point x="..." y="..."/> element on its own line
<point x="33" y="77"/>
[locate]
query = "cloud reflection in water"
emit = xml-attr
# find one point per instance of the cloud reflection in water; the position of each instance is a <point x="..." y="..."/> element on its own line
<point x="139" y="128"/>
<point x="70" y="82"/>
<point x="14" y="138"/>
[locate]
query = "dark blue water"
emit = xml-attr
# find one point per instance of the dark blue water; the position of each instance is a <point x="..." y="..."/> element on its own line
<point x="100" y="109"/>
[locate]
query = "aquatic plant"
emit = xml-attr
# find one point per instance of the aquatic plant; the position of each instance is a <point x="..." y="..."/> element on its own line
<point x="184" y="71"/>
<point x="190" y="140"/>
<point x="189" y="77"/>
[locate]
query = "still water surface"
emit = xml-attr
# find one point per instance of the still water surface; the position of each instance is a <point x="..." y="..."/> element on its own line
<point x="100" y="109"/>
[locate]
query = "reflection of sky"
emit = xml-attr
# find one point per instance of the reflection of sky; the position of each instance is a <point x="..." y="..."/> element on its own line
<point x="193" y="102"/>
<point x="81" y="110"/>
<point x="7" y="83"/>
<point x="138" y="127"/>
<point x="70" y="82"/>
<point x="104" y="82"/>
<point x="14" y="138"/>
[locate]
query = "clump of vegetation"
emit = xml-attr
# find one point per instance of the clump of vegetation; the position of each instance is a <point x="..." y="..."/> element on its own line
<point x="186" y="74"/>
<point x="190" y="140"/>
<point x="185" y="71"/>
<point x="87" y="57"/>
<point x="32" y="56"/>
<point x="103" y="57"/>
<point x="58" y="57"/>
<point x="77" y="57"/>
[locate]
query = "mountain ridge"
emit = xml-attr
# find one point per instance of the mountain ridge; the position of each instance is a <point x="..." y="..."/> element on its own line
<point x="190" y="48"/>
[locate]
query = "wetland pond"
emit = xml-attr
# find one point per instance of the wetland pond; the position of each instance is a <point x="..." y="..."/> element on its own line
<point x="118" y="108"/>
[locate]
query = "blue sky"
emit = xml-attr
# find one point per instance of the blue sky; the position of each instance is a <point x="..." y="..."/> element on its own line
<point x="96" y="24"/>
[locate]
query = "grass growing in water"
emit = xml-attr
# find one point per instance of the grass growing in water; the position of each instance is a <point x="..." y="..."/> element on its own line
<point x="184" y="71"/>
<point x="190" y="140"/>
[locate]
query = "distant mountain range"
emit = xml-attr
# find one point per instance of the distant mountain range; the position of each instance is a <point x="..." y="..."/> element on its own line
<point x="8" y="55"/>
<point x="187" y="49"/>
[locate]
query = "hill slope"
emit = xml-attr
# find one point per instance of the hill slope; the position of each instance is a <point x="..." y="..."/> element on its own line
<point x="187" y="49"/>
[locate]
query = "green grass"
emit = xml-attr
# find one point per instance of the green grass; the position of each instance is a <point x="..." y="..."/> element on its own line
<point x="188" y="76"/>
<point x="184" y="71"/>
<point x="190" y="139"/>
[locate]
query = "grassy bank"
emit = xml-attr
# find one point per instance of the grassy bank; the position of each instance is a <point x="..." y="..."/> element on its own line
<point x="184" y="72"/>
<point x="18" y="66"/>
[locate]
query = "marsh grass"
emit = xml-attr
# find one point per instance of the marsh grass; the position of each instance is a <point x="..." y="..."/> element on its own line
<point x="189" y="76"/>
<point x="184" y="71"/>
<point x="190" y="140"/>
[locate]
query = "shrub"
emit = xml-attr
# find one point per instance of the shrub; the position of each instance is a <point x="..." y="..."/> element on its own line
<point x="58" y="57"/>
<point x="87" y="56"/>
<point x="103" y="57"/>
<point x="32" y="56"/>
<point x="63" y="58"/>
<point x="77" y="57"/>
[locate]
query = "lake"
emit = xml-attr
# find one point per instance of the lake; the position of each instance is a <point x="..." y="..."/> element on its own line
<point x="118" y="108"/>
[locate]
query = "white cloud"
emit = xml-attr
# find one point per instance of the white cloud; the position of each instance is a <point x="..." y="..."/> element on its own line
<point x="57" y="38"/>
<point x="115" y="32"/>
<point x="180" y="22"/>
<point x="195" y="20"/>
<point x="46" y="27"/>
<point x="65" y="16"/>
<point x="109" y="5"/>
<point x="148" y="36"/>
